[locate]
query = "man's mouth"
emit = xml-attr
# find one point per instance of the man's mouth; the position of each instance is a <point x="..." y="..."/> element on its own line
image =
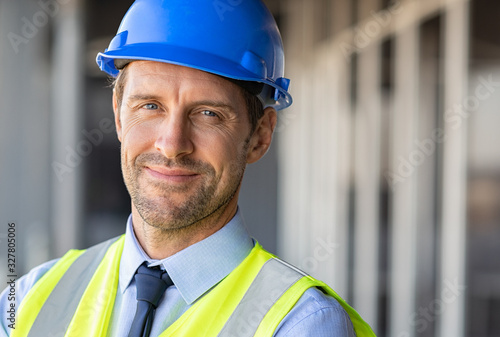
<point x="171" y="175"/>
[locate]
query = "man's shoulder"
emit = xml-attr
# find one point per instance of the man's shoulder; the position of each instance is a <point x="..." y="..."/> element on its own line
<point x="316" y="314"/>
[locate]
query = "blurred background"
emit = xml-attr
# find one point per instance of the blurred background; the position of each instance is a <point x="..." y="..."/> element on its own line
<point x="384" y="178"/>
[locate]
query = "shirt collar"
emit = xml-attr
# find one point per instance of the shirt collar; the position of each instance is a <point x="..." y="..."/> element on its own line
<point x="197" y="268"/>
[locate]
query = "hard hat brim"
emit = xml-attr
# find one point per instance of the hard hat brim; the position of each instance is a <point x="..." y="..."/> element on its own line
<point x="276" y="95"/>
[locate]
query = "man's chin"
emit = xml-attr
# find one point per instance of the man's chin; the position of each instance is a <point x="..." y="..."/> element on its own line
<point x="164" y="214"/>
<point x="162" y="221"/>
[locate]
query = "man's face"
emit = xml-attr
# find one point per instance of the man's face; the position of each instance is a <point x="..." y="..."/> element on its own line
<point x="185" y="138"/>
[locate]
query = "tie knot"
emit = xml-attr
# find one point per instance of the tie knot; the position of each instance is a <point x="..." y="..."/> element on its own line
<point x="151" y="283"/>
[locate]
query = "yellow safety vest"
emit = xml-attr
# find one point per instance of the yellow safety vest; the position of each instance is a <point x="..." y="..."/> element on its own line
<point x="75" y="298"/>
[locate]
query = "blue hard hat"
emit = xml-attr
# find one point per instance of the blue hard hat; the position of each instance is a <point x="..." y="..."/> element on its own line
<point x="237" y="39"/>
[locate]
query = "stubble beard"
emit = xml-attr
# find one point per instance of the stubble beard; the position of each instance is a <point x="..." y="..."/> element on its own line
<point x="201" y="201"/>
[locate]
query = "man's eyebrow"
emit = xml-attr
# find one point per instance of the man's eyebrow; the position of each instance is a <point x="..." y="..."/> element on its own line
<point x="215" y="104"/>
<point x="143" y="97"/>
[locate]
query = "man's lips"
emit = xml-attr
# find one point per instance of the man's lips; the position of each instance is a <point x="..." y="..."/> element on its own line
<point x="172" y="175"/>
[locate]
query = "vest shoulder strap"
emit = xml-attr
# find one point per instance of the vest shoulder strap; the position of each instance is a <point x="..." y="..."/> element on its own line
<point x="274" y="279"/>
<point x="286" y="303"/>
<point x="291" y="283"/>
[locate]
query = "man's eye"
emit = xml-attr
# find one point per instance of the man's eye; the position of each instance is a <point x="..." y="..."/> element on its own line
<point x="209" y="113"/>
<point x="150" y="106"/>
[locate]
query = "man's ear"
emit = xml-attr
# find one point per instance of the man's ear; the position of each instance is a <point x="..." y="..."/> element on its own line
<point x="260" y="141"/>
<point x="116" y="111"/>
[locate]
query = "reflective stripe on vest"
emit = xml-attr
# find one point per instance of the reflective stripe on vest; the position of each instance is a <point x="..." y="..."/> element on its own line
<point x="251" y="301"/>
<point x="272" y="281"/>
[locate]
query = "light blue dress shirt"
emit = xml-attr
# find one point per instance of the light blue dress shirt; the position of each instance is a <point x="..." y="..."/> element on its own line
<point x="194" y="271"/>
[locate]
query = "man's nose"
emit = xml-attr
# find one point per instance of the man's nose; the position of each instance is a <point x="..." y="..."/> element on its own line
<point x="174" y="137"/>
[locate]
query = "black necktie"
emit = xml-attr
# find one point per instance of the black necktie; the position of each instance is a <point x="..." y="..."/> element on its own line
<point x="151" y="283"/>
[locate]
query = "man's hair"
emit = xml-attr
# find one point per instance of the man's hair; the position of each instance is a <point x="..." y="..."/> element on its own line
<point x="252" y="102"/>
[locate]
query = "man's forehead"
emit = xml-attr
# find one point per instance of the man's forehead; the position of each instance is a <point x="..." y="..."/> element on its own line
<point x="149" y="74"/>
<point x="170" y="72"/>
<point x="254" y="88"/>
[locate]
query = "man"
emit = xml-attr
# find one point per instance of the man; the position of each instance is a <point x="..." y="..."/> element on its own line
<point x="198" y="84"/>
